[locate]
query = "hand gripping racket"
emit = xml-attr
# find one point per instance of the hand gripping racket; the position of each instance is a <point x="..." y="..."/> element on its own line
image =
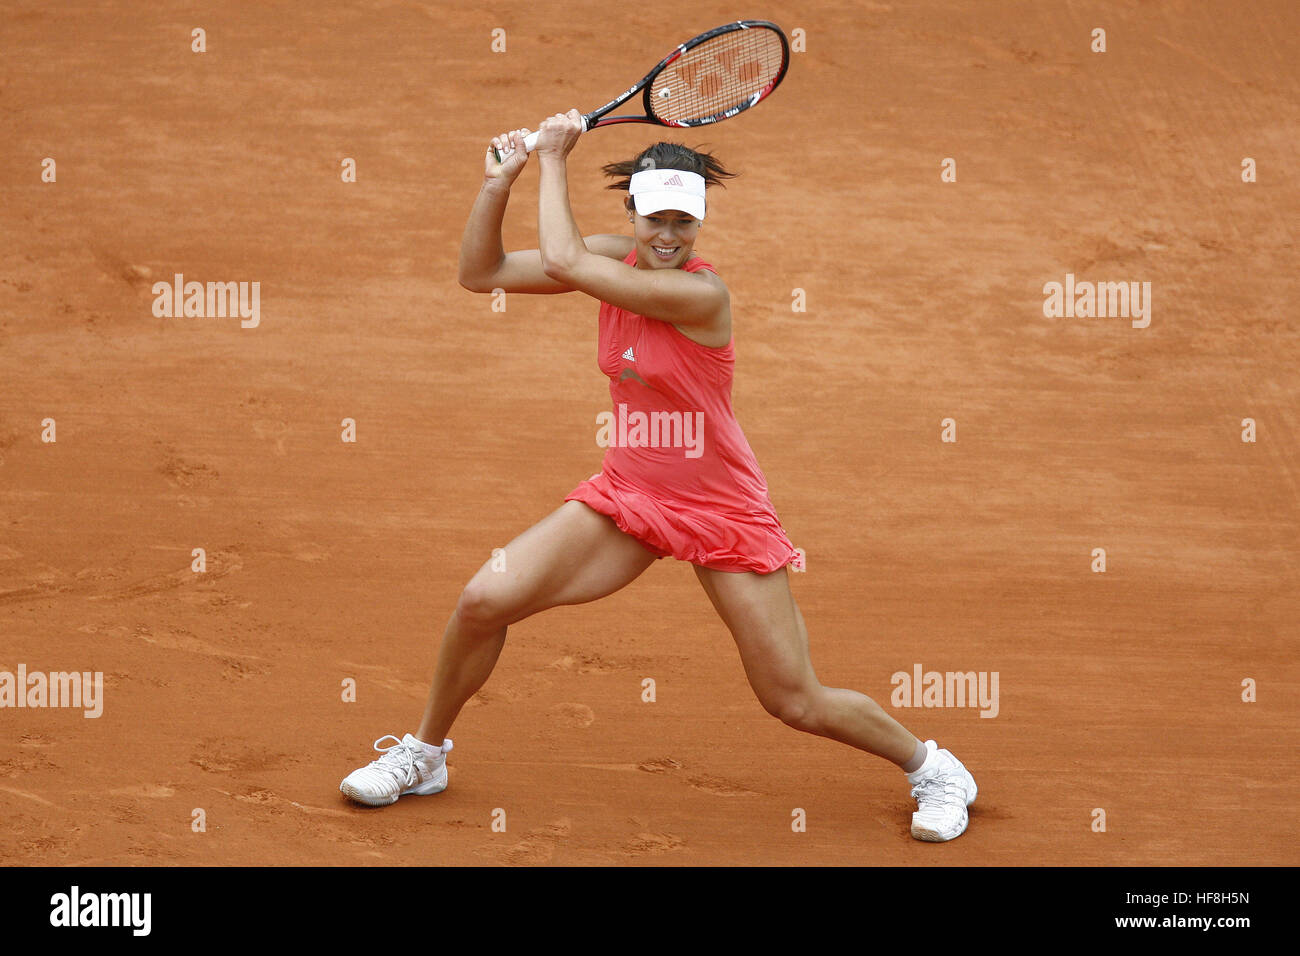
<point x="705" y="80"/>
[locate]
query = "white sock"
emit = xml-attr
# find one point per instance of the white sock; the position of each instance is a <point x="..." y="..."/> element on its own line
<point x="430" y="749"/>
<point x="925" y="763"/>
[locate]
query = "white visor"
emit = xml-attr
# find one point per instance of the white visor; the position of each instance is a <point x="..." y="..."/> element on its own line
<point x="654" y="190"/>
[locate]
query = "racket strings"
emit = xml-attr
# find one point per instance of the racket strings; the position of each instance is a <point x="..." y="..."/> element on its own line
<point x="718" y="75"/>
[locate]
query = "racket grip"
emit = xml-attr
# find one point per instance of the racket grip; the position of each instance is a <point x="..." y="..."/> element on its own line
<point x="530" y="142"/>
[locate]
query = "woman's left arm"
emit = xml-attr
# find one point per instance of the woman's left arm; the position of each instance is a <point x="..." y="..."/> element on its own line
<point x="669" y="295"/>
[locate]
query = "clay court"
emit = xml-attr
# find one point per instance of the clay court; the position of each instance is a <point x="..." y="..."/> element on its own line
<point x="332" y="564"/>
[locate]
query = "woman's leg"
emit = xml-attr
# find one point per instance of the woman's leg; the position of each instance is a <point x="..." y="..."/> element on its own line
<point x="769" y="631"/>
<point x="571" y="556"/>
<point x="765" y="621"/>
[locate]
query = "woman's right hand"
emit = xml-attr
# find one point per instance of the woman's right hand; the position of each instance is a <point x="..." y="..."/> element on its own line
<point x="510" y="166"/>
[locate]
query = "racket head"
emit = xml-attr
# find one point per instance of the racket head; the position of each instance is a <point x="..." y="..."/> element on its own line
<point x="707" y="79"/>
<point x="710" y="78"/>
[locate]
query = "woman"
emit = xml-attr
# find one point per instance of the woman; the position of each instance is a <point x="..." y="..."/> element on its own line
<point x="678" y="478"/>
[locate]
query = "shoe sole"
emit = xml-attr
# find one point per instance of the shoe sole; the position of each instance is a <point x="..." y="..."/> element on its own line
<point x="424" y="790"/>
<point x="362" y="798"/>
<point x="930" y="835"/>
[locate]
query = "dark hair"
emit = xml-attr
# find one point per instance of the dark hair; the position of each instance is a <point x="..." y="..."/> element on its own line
<point x="668" y="156"/>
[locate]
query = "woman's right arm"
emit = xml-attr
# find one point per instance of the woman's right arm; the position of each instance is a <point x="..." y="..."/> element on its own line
<point x="484" y="264"/>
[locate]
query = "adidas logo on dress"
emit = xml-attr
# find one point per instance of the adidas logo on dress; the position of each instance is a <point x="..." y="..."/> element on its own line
<point x="628" y="354"/>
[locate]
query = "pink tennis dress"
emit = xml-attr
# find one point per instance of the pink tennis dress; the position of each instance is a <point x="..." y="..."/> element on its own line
<point x="678" y="474"/>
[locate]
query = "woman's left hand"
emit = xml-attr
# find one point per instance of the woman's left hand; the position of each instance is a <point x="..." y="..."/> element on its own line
<point x="559" y="134"/>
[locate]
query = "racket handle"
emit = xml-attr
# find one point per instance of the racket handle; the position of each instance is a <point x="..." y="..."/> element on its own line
<point x="530" y="143"/>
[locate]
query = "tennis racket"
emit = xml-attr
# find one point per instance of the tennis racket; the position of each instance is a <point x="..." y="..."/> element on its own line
<point x="705" y="80"/>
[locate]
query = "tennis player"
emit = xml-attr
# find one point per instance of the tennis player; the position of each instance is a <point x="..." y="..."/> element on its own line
<point x="678" y="478"/>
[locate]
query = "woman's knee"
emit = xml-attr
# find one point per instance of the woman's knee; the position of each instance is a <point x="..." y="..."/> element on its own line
<point x="483" y="604"/>
<point x="795" y="707"/>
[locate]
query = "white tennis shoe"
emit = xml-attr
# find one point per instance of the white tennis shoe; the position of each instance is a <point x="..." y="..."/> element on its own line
<point x="406" y="767"/>
<point x="943" y="789"/>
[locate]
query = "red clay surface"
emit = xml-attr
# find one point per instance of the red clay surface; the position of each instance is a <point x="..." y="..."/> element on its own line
<point x="327" y="561"/>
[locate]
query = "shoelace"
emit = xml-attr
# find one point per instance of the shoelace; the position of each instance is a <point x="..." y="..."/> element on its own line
<point x="938" y="789"/>
<point x="398" y="759"/>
